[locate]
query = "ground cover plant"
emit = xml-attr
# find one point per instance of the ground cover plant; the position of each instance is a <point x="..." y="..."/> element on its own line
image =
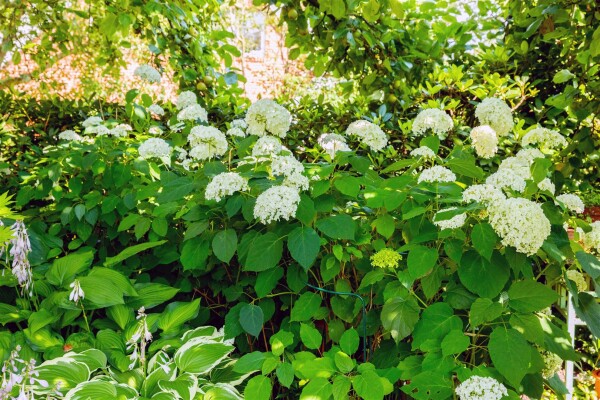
<point x="335" y="277"/>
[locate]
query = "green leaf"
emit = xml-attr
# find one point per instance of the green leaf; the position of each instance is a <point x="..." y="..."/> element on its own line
<point x="529" y="326"/>
<point x="436" y="322"/>
<point x="121" y="314"/>
<point x="482" y="277"/>
<point x="224" y="245"/>
<point x="175" y="190"/>
<point x="348" y="185"/>
<point x="510" y="353"/>
<point x="141" y="227"/>
<point x="368" y="386"/>
<point x="340" y="227"/>
<point x="67" y="371"/>
<point x="267" y="280"/>
<point x="399" y="316"/>
<point x="150" y="295"/>
<point x="317" y="389"/>
<point x="530" y="296"/>
<point x="588" y="310"/>
<point x="421" y="260"/>
<point x="465" y="167"/>
<point x="251" y="319"/>
<point x="280" y="341"/>
<point x="371" y="278"/>
<point x="385" y="225"/>
<point x="194" y="254"/>
<point x="198" y="357"/>
<point x="264" y="253"/>
<point x="102" y="390"/>
<point x="64" y="269"/>
<point x="100" y="292"/>
<point x="484" y="239"/>
<point x="430" y="385"/>
<point x="160" y="226"/>
<point x="93" y="358"/>
<point x="341" y="387"/>
<point x="131" y="251"/>
<point x="562" y="76"/>
<point x="305" y="307"/>
<point x="304" y="245"/>
<point x="343" y="362"/>
<point x="285" y="374"/>
<point x="116" y="278"/>
<point x="249" y="362"/>
<point x="259" y="388"/>
<point x="484" y="310"/>
<point x="349" y="341"/>
<point x="589" y="263"/>
<point x="177" y="313"/>
<point x="455" y="342"/>
<point x="310" y="336"/>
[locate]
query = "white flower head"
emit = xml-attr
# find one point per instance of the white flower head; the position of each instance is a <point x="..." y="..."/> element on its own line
<point x="267" y="146"/>
<point x="239" y="123"/>
<point x="207" y="142"/>
<point x="423" y="152"/>
<point x="19" y="251"/>
<point x="286" y="165"/>
<point x="276" y="203"/>
<point x="520" y="223"/>
<point x="148" y="73"/>
<point x="297" y="181"/>
<point x="591" y="239"/>
<point x="156" y="110"/>
<point x="77" y="292"/>
<point x="546" y="185"/>
<point x="368" y="133"/>
<point x="155" y="148"/>
<point x="545" y="138"/>
<point x="518" y="166"/>
<point x="437" y="173"/>
<point x="267" y="117"/>
<point x="452" y="223"/>
<point x="236" y="132"/>
<point x="529" y="155"/>
<point x="495" y="113"/>
<point x="121" y="130"/>
<point x="433" y="119"/>
<point x="193" y="112"/>
<point x="484" y="194"/>
<point x="579" y="279"/>
<point x="92" y="121"/>
<point x="155" y="130"/>
<point x="225" y="184"/>
<point x="481" y="388"/>
<point x="506" y="178"/>
<point x="186" y="99"/>
<point x="484" y="141"/>
<point x="572" y="202"/>
<point x="70" y="136"/>
<point x="331" y="143"/>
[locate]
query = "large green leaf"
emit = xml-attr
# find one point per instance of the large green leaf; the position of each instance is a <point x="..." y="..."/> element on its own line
<point x="100" y="292"/>
<point x="304" y="245"/>
<point x="64" y="269"/>
<point x="177" y="313"/>
<point x="151" y="295"/>
<point x="368" y="386"/>
<point x="194" y="253"/>
<point x="305" y="307"/>
<point x="258" y="388"/>
<point x="264" y="253"/>
<point x="484" y="310"/>
<point x="483" y="277"/>
<point x="198" y="357"/>
<point x="67" y="371"/>
<point x="337" y="226"/>
<point x="484" y="239"/>
<point x="588" y="310"/>
<point x="530" y="296"/>
<point x="101" y="390"/>
<point x="510" y="353"/>
<point x="436" y="322"/>
<point x="317" y="389"/>
<point x="311" y="337"/>
<point x="131" y="251"/>
<point x="421" y="260"/>
<point x="399" y="316"/>
<point x="186" y="386"/>
<point x="252" y="319"/>
<point x="267" y="280"/>
<point x="175" y="190"/>
<point x="116" y="278"/>
<point x="224" y="245"/>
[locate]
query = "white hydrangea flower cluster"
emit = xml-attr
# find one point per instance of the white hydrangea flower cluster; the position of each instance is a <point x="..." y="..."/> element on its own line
<point x="591" y="239"/>
<point x="481" y="388"/>
<point x="225" y="184"/>
<point x="520" y="223"/>
<point x="484" y="141"/>
<point x="572" y="202"/>
<point x="507" y="178"/>
<point x="368" y="133"/>
<point x="579" y="279"/>
<point x="267" y="117"/>
<point x="452" y="223"/>
<point x="276" y="203"/>
<point x="148" y="73"/>
<point x="484" y="194"/>
<point x="292" y="170"/>
<point x="545" y="138"/>
<point x="529" y="155"/>
<point x="495" y="113"/>
<point x="154" y="147"/>
<point x="239" y="123"/>
<point x="238" y="132"/>
<point x="19" y="252"/>
<point x="552" y="364"/>
<point x="437" y="173"/>
<point x="156" y="109"/>
<point x="423" y="152"/>
<point x="121" y="130"/>
<point x="186" y="99"/>
<point x="518" y="166"/>
<point x="267" y="146"/>
<point x="207" y="142"/>
<point x="193" y="112"/>
<point x="547" y="185"/>
<point x="331" y="143"/>
<point x="99" y="130"/>
<point x="92" y="121"/>
<point x="70" y="135"/>
<point x="432" y="119"/>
